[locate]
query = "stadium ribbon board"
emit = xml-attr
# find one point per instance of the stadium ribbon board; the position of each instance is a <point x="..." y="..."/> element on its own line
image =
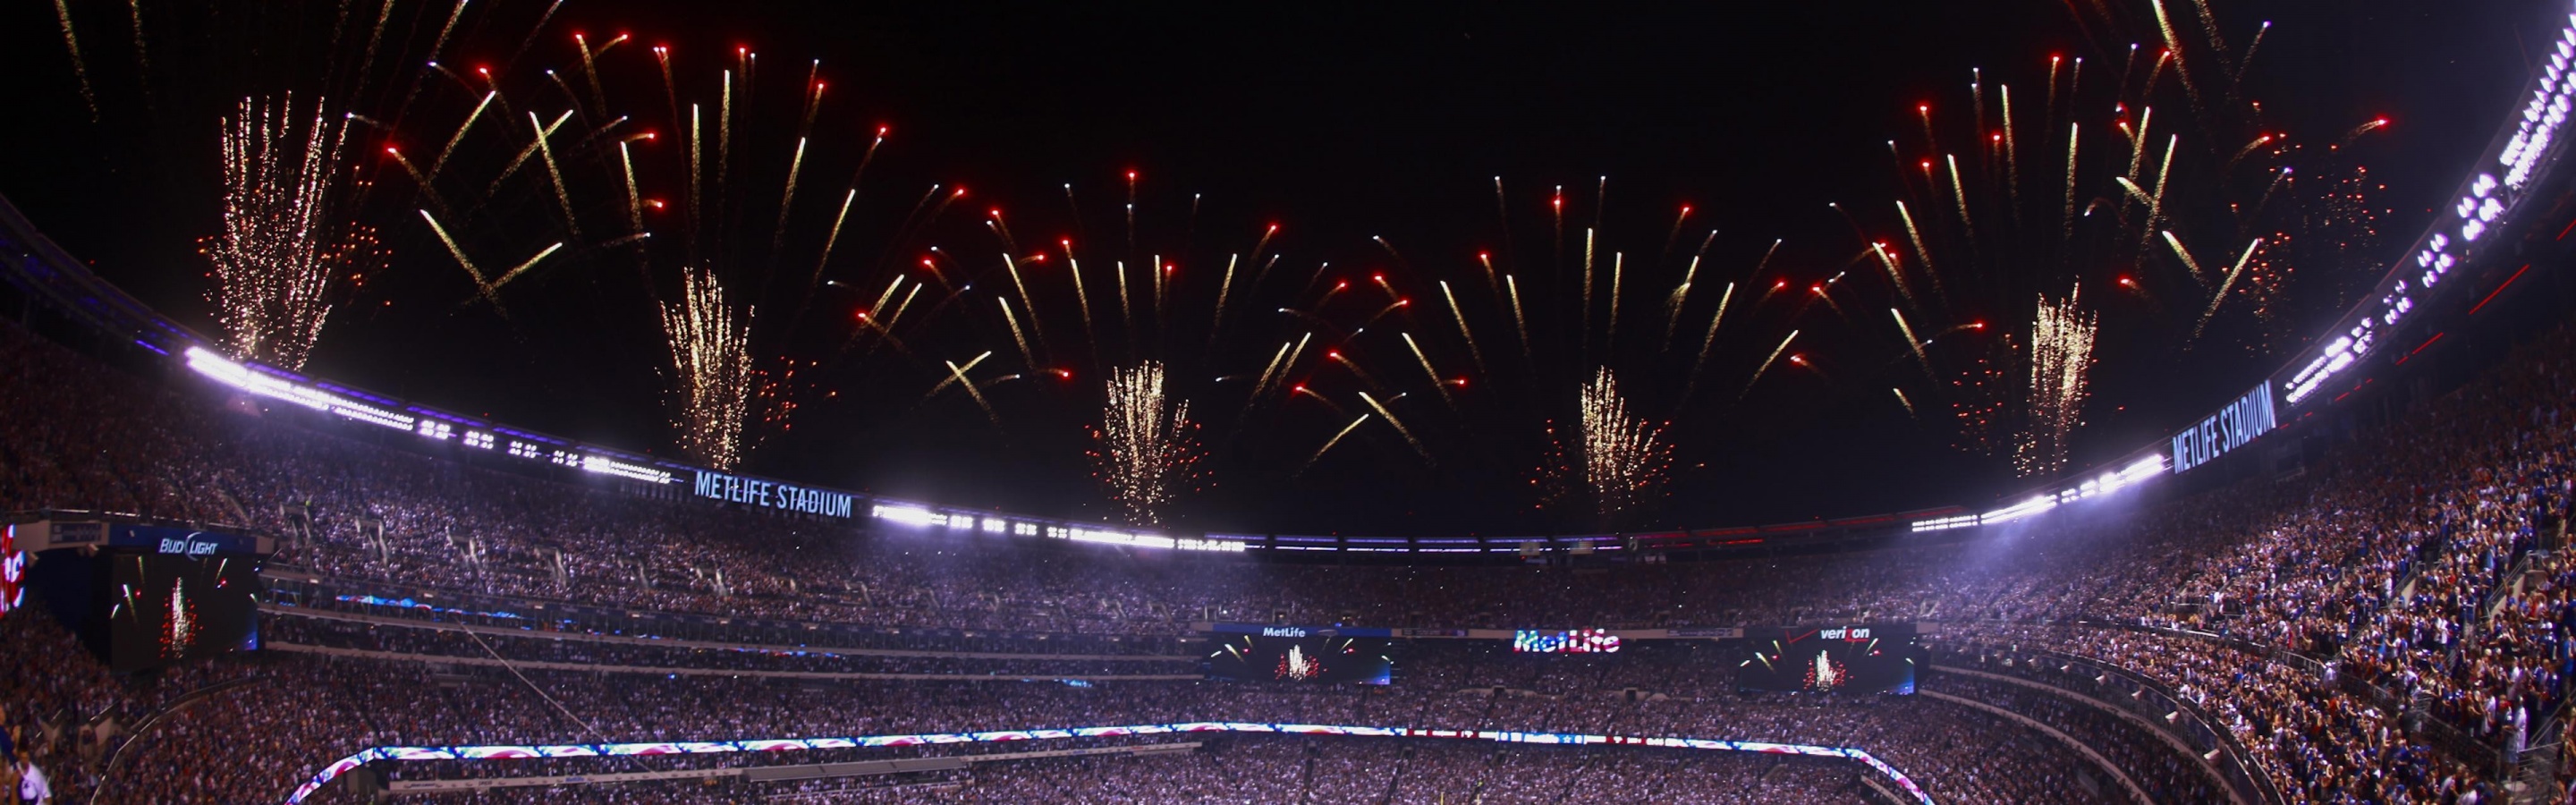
<point x="420" y="753"/>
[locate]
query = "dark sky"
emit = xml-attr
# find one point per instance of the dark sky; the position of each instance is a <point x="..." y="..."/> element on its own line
<point x="1340" y="124"/>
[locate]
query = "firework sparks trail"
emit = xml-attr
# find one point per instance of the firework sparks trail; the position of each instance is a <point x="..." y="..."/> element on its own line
<point x="787" y="197"/>
<point x="1921" y="252"/>
<point x="724" y="129"/>
<point x="2244" y="152"/>
<point x="2061" y="368"/>
<point x="280" y="246"/>
<point x="523" y="267"/>
<point x="1959" y="192"/>
<point x="887" y="296"/>
<point x="1225" y="288"/>
<point x="1680" y="297"/>
<point x="2220" y="297"/>
<point x="2054" y="62"/>
<point x="1895" y="273"/>
<point x="830" y="239"/>
<point x="634" y="204"/>
<point x="1520" y="323"/>
<point x="1391" y="307"/>
<point x="1081" y="298"/>
<point x="1473" y="351"/>
<point x="900" y="307"/>
<point x="2248" y="58"/>
<point x="1901" y="400"/>
<point x="2066" y="224"/>
<point x="1977" y="100"/>
<point x="1262" y="383"/>
<point x="436" y="165"/>
<point x="555" y="174"/>
<point x="1618" y="271"/>
<point x="1161" y="273"/>
<point x="557" y="179"/>
<point x="1293" y="355"/>
<point x="2138" y="141"/>
<point x="417" y="179"/>
<point x="80" y="70"/>
<point x="1328" y="444"/>
<point x="1766" y="364"/>
<point x="2012" y="151"/>
<point x="1026" y="358"/>
<point x="1708" y="341"/>
<point x="1380" y="281"/>
<point x="2134" y="192"/>
<point x="2366" y="127"/>
<point x="2173" y="47"/>
<point x="1327" y="401"/>
<point x="375" y="38"/>
<point x="1126" y="315"/>
<point x="590" y="68"/>
<point x="1911" y="343"/>
<point x="2209" y="28"/>
<point x="1147" y="455"/>
<point x="1924" y="111"/>
<point x="2164" y="170"/>
<point x="461" y="260"/>
<point x="1263" y="243"/>
<point x="1012" y="267"/>
<point x="1681" y="292"/>
<point x="957" y="374"/>
<point x="2196" y="274"/>
<point x="1622" y="459"/>
<point x="711" y="362"/>
<point x="142" y="57"/>
<point x="1336" y="356"/>
<point x="1406" y="432"/>
<point x="1437" y="384"/>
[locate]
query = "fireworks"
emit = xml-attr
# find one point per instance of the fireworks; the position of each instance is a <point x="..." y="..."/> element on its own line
<point x="1148" y="455"/>
<point x="281" y="246"/>
<point x="179" y="633"/>
<point x="1618" y="461"/>
<point x="576" y="166"/>
<point x="712" y="371"/>
<point x="2061" y="366"/>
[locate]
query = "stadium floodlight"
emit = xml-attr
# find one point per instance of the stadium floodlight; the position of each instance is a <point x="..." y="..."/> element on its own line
<point x="914" y="516"/>
<point x="243" y="378"/>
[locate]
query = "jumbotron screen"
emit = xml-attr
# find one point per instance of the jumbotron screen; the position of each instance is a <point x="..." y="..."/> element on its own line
<point x="165" y="608"/>
<point x="1318" y="658"/>
<point x="1844" y="659"/>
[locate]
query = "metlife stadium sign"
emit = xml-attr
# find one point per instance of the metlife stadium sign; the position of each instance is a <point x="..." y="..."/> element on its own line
<point x="772" y="495"/>
<point x="2232" y="427"/>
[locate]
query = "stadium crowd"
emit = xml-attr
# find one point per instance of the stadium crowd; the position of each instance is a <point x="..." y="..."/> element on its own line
<point x="275" y="717"/>
<point x="2418" y="571"/>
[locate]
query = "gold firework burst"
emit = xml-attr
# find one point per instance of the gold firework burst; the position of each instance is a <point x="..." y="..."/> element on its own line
<point x="1147" y="455"/>
<point x="711" y="362"/>
<point x="282" y="247"/>
<point x="2061" y="370"/>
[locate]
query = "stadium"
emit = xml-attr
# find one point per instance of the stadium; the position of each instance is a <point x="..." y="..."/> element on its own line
<point x="425" y="402"/>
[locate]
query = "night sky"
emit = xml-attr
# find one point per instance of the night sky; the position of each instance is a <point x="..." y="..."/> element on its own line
<point x="1339" y="124"/>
